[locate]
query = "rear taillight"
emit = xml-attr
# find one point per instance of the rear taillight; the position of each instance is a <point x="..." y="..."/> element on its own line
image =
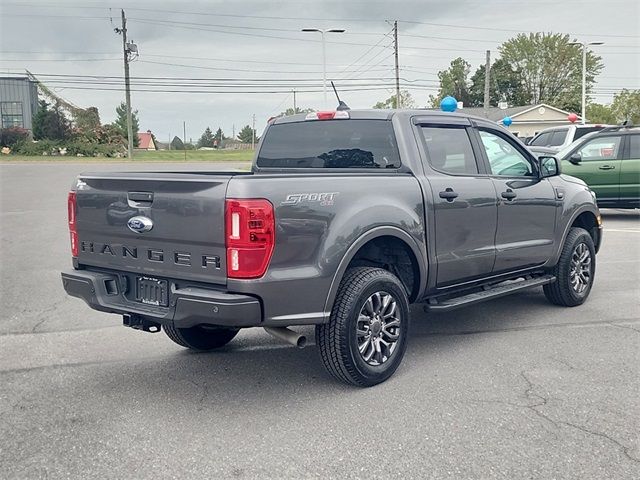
<point x="250" y="237"/>
<point x="72" y="209"/>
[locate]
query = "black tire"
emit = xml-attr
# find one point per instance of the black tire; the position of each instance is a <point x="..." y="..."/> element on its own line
<point x="200" y="338"/>
<point x="563" y="292"/>
<point x="339" y="341"/>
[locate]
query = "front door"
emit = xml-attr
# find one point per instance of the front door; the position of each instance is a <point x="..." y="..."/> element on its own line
<point x="599" y="166"/>
<point x="464" y="203"/>
<point x="527" y="205"/>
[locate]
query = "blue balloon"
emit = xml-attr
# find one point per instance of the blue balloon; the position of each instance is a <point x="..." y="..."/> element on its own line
<point x="506" y="121"/>
<point x="448" y="104"/>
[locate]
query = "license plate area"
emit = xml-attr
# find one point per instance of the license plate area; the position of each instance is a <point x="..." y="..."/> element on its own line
<point x="152" y="291"/>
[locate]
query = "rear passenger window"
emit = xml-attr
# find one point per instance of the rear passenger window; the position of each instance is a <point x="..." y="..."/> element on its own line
<point x="581" y="132"/>
<point x="542" y="140"/>
<point x="558" y="138"/>
<point x="449" y="150"/>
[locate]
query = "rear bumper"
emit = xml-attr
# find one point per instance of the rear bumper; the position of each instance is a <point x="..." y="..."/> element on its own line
<point x="188" y="306"/>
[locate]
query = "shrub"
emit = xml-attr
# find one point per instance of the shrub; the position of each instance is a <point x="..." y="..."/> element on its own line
<point x="9" y="137"/>
<point x="27" y="147"/>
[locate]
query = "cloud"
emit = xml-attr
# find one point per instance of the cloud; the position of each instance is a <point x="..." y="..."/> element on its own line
<point x="221" y="40"/>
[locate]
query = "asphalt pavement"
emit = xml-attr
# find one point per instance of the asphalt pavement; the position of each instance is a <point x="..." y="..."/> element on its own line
<point x="512" y="389"/>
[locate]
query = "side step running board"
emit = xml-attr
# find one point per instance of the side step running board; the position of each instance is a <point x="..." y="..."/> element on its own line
<point x="490" y="293"/>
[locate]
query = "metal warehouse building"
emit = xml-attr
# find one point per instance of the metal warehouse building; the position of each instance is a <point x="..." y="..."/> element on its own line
<point x="18" y="102"/>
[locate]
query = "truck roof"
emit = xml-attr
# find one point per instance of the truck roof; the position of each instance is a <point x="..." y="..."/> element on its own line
<point x="385" y="114"/>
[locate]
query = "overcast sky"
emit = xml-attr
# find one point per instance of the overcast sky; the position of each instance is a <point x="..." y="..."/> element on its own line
<point x="223" y="43"/>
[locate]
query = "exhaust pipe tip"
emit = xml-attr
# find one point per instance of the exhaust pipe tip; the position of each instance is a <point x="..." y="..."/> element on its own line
<point x="283" y="333"/>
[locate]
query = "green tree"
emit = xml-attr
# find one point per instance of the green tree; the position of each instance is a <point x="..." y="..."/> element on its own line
<point x="219" y="136"/>
<point x="598" y="113"/>
<point x="505" y="86"/>
<point x="177" y="144"/>
<point x="121" y="123"/>
<point x="206" y="139"/>
<point x="246" y="134"/>
<point x="50" y="123"/>
<point x="626" y="106"/>
<point x="406" y="101"/>
<point x="454" y="81"/>
<point x="88" y="119"/>
<point x="550" y="68"/>
<point x="291" y="111"/>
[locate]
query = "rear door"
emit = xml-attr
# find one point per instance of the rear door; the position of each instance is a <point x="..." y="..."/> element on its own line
<point x="464" y="201"/>
<point x="526" y="204"/>
<point x="630" y="170"/>
<point x="186" y="214"/>
<point x="600" y="165"/>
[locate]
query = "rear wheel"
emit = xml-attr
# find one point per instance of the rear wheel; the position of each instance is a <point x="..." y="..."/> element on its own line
<point x="200" y="338"/>
<point x="366" y="337"/>
<point x="574" y="271"/>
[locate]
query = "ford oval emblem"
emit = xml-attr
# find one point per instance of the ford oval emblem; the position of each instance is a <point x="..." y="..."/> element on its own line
<point x="140" y="224"/>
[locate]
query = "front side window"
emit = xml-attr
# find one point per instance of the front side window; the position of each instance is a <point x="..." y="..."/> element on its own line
<point x="11" y="113"/>
<point x="504" y="158"/>
<point x="601" y="148"/>
<point x="449" y="150"/>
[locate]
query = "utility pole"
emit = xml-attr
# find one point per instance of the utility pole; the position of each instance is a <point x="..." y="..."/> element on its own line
<point x="295" y="107"/>
<point x="127" y="86"/>
<point x="253" y="132"/>
<point x="487" y="83"/>
<point x="584" y="46"/>
<point x="184" y="138"/>
<point x="395" y="54"/>
<point x="233" y="131"/>
<point x="324" y="55"/>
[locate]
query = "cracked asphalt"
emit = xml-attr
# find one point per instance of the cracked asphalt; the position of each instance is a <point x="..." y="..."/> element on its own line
<point x="516" y="388"/>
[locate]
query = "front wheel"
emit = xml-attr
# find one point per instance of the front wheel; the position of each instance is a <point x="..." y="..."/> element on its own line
<point x="574" y="271"/>
<point x="366" y="336"/>
<point x="200" y="338"/>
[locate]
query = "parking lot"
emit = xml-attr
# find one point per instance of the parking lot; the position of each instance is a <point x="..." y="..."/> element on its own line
<point x="515" y="388"/>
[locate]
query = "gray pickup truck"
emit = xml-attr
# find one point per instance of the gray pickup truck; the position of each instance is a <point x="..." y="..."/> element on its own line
<point x="345" y="219"/>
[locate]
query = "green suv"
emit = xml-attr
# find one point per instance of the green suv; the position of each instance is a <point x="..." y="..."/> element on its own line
<point x="609" y="162"/>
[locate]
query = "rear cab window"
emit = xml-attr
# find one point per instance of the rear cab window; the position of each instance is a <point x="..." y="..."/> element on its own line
<point x="343" y="143"/>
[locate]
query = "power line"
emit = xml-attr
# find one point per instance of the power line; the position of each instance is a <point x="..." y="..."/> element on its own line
<point x="274" y="17"/>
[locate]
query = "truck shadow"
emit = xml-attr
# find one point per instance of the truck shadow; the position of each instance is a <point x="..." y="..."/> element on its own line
<point x="254" y="362"/>
<point x="620" y="215"/>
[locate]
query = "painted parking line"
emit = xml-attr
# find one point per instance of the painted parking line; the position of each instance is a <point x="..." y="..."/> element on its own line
<point x="621" y="230"/>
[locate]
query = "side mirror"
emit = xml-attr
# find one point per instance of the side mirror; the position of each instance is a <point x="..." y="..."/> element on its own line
<point x="549" y="166"/>
<point x="575" y="158"/>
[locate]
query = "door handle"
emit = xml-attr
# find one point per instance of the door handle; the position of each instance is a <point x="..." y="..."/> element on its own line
<point x="607" y="167"/>
<point x="448" y="194"/>
<point x="509" y="194"/>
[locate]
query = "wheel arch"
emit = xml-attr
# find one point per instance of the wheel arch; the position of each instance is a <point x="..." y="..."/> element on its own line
<point x="380" y="234"/>
<point x="585" y="217"/>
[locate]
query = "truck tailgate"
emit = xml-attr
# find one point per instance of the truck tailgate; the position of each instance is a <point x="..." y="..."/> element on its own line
<point x="186" y="212"/>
